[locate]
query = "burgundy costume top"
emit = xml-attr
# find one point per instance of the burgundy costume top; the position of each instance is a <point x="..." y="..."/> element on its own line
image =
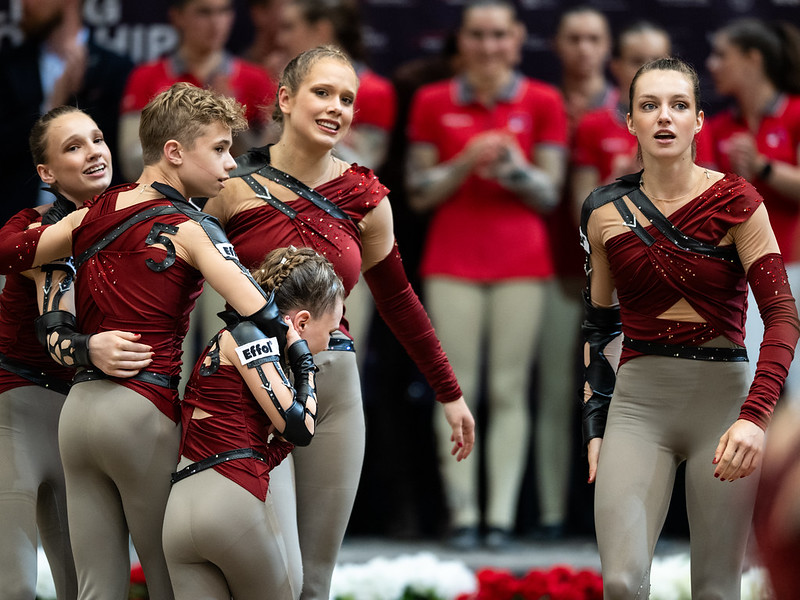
<point x="117" y="290"/>
<point x="18" y="309"/>
<point x="651" y="279"/>
<point x="236" y="421"/>
<point x="357" y="191"/>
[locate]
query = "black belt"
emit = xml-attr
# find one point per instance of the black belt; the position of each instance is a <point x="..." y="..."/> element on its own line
<point x="690" y="352"/>
<point x="36" y="376"/>
<point x="341" y="344"/>
<point x="158" y="379"/>
<point x="217" y="459"/>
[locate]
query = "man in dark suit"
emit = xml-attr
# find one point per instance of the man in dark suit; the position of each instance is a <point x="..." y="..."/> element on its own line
<point x="57" y="63"/>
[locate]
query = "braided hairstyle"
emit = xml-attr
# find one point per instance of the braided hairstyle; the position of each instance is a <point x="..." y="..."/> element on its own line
<point x="301" y="279"/>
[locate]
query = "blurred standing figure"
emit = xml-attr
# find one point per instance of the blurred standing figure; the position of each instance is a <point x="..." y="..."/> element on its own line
<point x="582" y="44"/>
<point x="58" y="63"/>
<point x="265" y="18"/>
<point x="487" y="157"/>
<point x="757" y="64"/>
<point x="203" y="27"/>
<point x="603" y="148"/>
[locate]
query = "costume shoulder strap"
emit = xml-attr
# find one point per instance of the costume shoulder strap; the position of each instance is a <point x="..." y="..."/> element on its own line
<point x="607" y="193"/>
<point x="251" y="161"/>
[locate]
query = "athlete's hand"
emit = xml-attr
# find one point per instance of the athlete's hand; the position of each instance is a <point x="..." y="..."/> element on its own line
<point x="118" y="353"/>
<point x="593" y="455"/>
<point x="461" y="420"/>
<point x="739" y="451"/>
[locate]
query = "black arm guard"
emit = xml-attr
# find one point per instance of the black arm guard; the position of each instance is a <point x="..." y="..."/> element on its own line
<point x="268" y="319"/>
<point x="253" y="346"/>
<point x="600" y="326"/>
<point x="57" y="331"/>
<point x="303" y="369"/>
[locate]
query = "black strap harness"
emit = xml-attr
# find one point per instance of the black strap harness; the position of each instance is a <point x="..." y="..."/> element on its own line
<point x="36" y="376"/>
<point x="257" y="161"/>
<point x="216" y="459"/>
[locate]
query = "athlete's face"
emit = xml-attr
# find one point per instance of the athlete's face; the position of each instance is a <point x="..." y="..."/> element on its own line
<point x="296" y="34"/>
<point x="321" y="110"/>
<point x="730" y="67"/>
<point x="636" y="49"/>
<point x="317" y="330"/>
<point x="78" y="161"/>
<point x="663" y="115"/>
<point x="207" y="162"/>
<point x="583" y="44"/>
<point x="204" y="25"/>
<point x="489" y="40"/>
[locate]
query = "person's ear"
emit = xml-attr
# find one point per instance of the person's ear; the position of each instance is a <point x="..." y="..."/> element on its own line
<point x="629" y="121"/>
<point x="301" y="320"/>
<point x="700" y="120"/>
<point x="283" y="100"/>
<point x="45" y="174"/>
<point x="173" y="152"/>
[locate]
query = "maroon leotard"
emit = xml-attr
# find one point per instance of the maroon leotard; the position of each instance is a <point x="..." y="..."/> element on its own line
<point x="237" y="421"/>
<point x="357" y="191"/>
<point x="18" y="309"/>
<point x="117" y="290"/>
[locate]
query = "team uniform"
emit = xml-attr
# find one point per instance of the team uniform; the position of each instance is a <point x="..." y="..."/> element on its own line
<point x="248" y="83"/>
<point x="222" y="535"/>
<point x="777" y="138"/>
<point x="33" y="388"/>
<point x="326" y="473"/>
<point x="682" y="381"/>
<point x="486" y="255"/>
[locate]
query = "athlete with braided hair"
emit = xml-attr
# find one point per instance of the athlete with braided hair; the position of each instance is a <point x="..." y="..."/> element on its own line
<point x="241" y="417"/>
<point x="297" y="192"/>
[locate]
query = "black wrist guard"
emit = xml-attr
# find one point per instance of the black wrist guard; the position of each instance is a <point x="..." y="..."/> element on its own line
<point x="600" y="326"/>
<point x="57" y="331"/>
<point x="303" y="369"/>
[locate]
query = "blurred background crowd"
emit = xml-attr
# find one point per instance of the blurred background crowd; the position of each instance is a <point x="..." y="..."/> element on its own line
<point x="112" y="56"/>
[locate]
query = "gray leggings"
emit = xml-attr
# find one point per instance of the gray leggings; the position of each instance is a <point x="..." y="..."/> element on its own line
<point x="666" y="411"/>
<point x="118" y="451"/>
<point x="326" y="472"/>
<point x="221" y="541"/>
<point x="32" y="497"/>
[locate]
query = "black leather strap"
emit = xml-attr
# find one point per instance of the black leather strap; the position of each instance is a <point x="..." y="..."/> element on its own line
<point x="158" y="379"/>
<point x="36" y="376"/>
<point x="675" y="235"/>
<point x="215" y="460"/>
<point x="689" y="352"/>
<point x="301" y="189"/>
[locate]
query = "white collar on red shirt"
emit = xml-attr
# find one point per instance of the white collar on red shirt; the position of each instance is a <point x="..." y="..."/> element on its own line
<point x="465" y="93"/>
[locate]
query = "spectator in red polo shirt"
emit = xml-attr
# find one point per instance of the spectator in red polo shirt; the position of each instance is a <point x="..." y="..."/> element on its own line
<point x="757" y="64"/>
<point x="487" y="155"/>
<point x="204" y="27"/>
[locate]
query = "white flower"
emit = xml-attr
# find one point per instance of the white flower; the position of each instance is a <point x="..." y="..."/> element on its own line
<point x="45" y="586"/>
<point x="670" y="579"/>
<point x="387" y="579"/>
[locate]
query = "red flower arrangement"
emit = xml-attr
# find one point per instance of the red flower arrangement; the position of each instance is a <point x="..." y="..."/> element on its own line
<point x="558" y="583"/>
<point x="138" y="589"/>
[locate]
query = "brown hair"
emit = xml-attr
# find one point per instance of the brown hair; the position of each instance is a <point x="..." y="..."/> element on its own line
<point x="300" y="66"/>
<point x="37" y="141"/>
<point x="181" y="113"/>
<point x="301" y="279"/>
